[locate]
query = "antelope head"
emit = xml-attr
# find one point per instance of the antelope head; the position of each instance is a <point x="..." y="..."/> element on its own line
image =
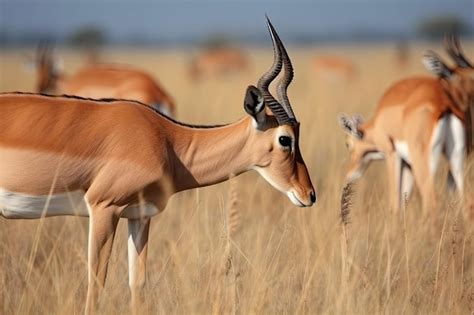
<point x="457" y="80"/>
<point x="359" y="144"/>
<point x="275" y="131"/>
<point x="47" y="70"/>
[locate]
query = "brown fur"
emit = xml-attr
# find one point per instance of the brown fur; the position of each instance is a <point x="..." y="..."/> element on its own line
<point x="121" y="153"/>
<point x="216" y="62"/>
<point x="102" y="81"/>
<point x="460" y="88"/>
<point x="117" y="82"/>
<point x="335" y="66"/>
<point x="407" y="112"/>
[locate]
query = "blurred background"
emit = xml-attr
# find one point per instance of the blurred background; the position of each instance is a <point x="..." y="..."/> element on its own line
<point x="205" y="53"/>
<point x="185" y="42"/>
<point x="181" y="22"/>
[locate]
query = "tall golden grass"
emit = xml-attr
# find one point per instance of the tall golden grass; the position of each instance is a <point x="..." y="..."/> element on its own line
<point x="269" y="257"/>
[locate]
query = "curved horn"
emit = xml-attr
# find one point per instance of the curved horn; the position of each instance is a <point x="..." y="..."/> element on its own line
<point x="264" y="82"/>
<point x="453" y="47"/>
<point x="449" y="47"/>
<point x="465" y="63"/>
<point x="40" y="51"/>
<point x="43" y="52"/>
<point x="285" y="81"/>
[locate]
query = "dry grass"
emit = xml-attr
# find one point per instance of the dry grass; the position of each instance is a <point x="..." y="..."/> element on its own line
<point x="283" y="259"/>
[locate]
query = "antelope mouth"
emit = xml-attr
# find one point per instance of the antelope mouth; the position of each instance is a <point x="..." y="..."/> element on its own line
<point x="294" y="199"/>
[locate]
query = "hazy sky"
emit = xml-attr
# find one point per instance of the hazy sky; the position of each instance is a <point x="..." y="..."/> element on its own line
<point x="187" y="19"/>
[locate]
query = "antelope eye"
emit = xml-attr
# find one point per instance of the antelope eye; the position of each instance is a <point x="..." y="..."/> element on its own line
<point x="285" y="141"/>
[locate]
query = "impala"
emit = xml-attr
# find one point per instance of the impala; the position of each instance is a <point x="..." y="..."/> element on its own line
<point x="334" y="67"/>
<point x="217" y="62"/>
<point x="417" y="120"/>
<point x="122" y="159"/>
<point x="97" y="81"/>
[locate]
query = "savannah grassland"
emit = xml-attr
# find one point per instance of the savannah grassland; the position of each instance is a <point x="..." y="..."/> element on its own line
<point x="280" y="259"/>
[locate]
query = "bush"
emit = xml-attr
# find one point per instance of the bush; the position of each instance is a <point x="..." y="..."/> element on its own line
<point x="89" y="36"/>
<point x="438" y="26"/>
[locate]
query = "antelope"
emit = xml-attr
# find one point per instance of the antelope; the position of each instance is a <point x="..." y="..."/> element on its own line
<point x="124" y="159"/>
<point x="217" y="62"/>
<point x="334" y="67"/>
<point x="417" y="120"/>
<point x="101" y="81"/>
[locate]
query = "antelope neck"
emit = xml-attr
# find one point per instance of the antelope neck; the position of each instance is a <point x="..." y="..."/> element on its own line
<point x="206" y="156"/>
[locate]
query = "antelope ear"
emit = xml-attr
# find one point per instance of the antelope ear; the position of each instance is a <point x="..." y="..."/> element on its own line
<point x="358" y="119"/>
<point x="254" y="104"/>
<point x="433" y="63"/>
<point x="349" y="126"/>
<point x="344" y="123"/>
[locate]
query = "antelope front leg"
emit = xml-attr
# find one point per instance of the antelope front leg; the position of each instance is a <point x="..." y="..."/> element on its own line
<point x="424" y="171"/>
<point x="394" y="165"/>
<point x="102" y="224"/>
<point x="406" y="183"/>
<point x="138" y="230"/>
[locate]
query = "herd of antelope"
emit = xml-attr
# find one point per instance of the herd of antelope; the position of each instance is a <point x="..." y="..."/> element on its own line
<point x="418" y="120"/>
<point x="126" y="155"/>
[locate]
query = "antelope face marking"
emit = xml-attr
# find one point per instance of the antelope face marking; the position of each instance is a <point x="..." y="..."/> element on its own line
<point x="275" y="131"/>
<point x="362" y="151"/>
<point x="361" y="154"/>
<point x="281" y="164"/>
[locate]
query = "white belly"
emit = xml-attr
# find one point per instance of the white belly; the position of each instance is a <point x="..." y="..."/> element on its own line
<point x="402" y="150"/>
<point x="22" y="206"/>
<point x="438" y="142"/>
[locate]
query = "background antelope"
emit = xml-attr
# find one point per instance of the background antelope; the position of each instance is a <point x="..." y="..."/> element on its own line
<point x="334" y="67"/>
<point x="281" y="259"/>
<point x="216" y="62"/>
<point x="49" y="169"/>
<point x="97" y="81"/>
<point x="417" y="120"/>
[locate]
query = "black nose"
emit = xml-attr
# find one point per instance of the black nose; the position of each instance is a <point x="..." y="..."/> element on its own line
<point x="312" y="195"/>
